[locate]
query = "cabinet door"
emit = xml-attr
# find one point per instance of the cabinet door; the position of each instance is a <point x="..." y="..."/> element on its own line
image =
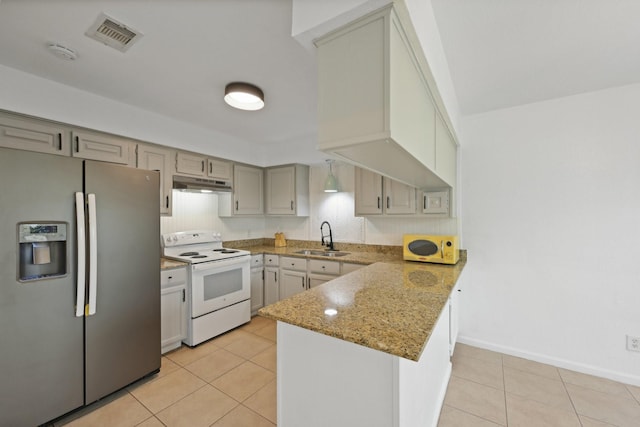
<point x="150" y="157"/>
<point x="220" y="169"/>
<point x="102" y="147"/>
<point x="281" y="190"/>
<point x="399" y="198"/>
<point x="247" y="190"/>
<point x="446" y="153"/>
<point x="257" y="289"/>
<point x="174" y="317"/>
<point x="34" y="135"/>
<point x="271" y="285"/>
<point x="454" y="317"/>
<point x="191" y="164"/>
<point x="292" y="282"/>
<point x="318" y="279"/>
<point x="368" y="192"/>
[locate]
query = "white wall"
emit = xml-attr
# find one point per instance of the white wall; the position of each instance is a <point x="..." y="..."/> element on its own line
<point x="551" y="222"/>
<point x="29" y="94"/>
<point x="199" y="211"/>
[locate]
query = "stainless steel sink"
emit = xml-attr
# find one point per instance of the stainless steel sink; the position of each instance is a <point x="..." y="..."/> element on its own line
<point x="322" y="253"/>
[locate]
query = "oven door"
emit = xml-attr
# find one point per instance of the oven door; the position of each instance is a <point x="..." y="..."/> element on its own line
<point x="219" y="284"/>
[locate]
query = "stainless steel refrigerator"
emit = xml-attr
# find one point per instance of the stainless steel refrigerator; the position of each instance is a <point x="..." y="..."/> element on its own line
<point x="79" y="282"/>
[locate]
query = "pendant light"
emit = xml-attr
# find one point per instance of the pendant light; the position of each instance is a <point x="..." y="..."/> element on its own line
<point x="244" y="96"/>
<point x="331" y="183"/>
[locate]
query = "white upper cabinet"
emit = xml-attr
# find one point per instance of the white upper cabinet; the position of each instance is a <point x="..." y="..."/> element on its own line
<point x="375" y="107"/>
<point x="377" y="195"/>
<point x="34" y="135"/>
<point x="102" y="147"/>
<point x="153" y="157"/>
<point x="247" y="196"/>
<point x="219" y="169"/>
<point x="191" y="164"/>
<point x="287" y="190"/>
<point x="446" y="153"/>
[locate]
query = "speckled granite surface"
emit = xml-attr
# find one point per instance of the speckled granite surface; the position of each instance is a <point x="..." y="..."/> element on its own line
<point x="166" y="263"/>
<point x="386" y="306"/>
<point x="358" y="253"/>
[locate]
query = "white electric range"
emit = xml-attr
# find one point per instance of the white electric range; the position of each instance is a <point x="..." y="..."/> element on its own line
<point x="219" y="285"/>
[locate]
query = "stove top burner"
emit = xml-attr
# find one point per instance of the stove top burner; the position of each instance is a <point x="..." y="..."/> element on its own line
<point x="189" y="254"/>
<point x="225" y="251"/>
<point x="199" y="256"/>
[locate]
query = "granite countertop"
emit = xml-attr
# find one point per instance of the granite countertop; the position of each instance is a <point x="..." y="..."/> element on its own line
<point x="166" y="263"/>
<point x="357" y="254"/>
<point x="387" y="306"/>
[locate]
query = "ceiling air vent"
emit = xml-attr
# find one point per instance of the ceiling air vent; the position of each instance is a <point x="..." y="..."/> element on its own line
<point x="113" y="33"/>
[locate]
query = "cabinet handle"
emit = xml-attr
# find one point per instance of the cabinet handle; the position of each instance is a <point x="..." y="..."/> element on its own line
<point x="184" y="296"/>
<point x="202" y="162"/>
<point x="77" y="144"/>
<point x="309" y="283"/>
<point x="167" y="202"/>
<point x="262" y="274"/>
<point x="378" y="202"/>
<point x="424" y="202"/>
<point x="388" y="201"/>
<point x="60" y="141"/>
<point x="292" y="205"/>
<point x="302" y="282"/>
<point x="236" y="205"/>
<point x="170" y="277"/>
<point x="210" y="168"/>
<point x="275" y="276"/>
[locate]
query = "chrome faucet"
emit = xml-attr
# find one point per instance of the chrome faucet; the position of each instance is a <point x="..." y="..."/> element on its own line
<point x="329" y="245"/>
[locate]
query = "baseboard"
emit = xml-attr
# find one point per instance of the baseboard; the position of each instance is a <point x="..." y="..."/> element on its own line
<point x="622" y="377"/>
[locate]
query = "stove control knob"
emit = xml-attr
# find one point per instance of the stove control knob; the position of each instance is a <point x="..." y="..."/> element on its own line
<point x="175" y="238"/>
<point x="168" y="239"/>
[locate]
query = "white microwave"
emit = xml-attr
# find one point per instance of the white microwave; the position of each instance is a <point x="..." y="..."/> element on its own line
<point x="431" y="248"/>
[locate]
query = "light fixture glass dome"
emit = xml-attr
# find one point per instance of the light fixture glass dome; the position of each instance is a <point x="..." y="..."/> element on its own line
<point x="244" y="96"/>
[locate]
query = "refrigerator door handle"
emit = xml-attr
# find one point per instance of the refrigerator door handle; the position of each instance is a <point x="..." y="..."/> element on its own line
<point x="81" y="254"/>
<point x="93" y="255"/>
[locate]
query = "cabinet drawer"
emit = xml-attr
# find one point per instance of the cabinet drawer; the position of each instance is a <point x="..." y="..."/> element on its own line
<point x="271" y="260"/>
<point x="325" y="267"/>
<point x="290" y="263"/>
<point x="256" y="260"/>
<point x="173" y="277"/>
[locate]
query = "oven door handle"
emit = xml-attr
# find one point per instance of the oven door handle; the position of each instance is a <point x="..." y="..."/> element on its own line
<point x="214" y="265"/>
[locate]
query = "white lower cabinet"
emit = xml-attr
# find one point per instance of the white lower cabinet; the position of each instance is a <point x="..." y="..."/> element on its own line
<point x="257" y="283"/>
<point x="173" y="306"/>
<point x="299" y="274"/>
<point x="271" y="282"/>
<point x="292" y="282"/>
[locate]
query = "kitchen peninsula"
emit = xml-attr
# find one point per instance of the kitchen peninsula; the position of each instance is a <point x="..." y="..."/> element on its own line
<point x="371" y="348"/>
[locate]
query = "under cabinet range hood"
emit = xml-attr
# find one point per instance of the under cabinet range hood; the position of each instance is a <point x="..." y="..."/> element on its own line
<point x="201" y="185"/>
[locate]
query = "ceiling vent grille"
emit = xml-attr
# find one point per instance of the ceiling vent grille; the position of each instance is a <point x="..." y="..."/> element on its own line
<point x="113" y="33"/>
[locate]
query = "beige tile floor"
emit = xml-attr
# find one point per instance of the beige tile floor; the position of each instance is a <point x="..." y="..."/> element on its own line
<point x="230" y="382"/>
<point x="493" y="389"/>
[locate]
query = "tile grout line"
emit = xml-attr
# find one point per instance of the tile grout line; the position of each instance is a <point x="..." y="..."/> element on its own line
<point x="504" y="388"/>
<point x="573" y="405"/>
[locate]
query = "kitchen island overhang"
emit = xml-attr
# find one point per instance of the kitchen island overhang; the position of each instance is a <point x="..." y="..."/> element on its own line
<point x="380" y="357"/>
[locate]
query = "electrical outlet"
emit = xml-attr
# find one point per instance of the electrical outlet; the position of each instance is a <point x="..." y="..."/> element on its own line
<point x="633" y="343"/>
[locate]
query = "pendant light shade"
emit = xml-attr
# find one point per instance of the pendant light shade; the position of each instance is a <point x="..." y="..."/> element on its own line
<point x="331" y="183"/>
<point x="244" y="96"/>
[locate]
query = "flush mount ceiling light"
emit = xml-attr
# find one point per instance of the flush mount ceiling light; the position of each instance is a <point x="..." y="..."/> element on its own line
<point x="244" y="96"/>
<point x="331" y="183"/>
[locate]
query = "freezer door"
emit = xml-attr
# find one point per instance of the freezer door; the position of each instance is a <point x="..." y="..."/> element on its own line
<point x="123" y="336"/>
<point x="41" y="350"/>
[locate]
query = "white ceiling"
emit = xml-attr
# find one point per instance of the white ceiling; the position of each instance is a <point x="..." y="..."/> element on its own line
<point x="507" y="53"/>
<point x="500" y="53"/>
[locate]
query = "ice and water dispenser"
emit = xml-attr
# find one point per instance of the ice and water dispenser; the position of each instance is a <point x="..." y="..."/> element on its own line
<point x="43" y="250"/>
